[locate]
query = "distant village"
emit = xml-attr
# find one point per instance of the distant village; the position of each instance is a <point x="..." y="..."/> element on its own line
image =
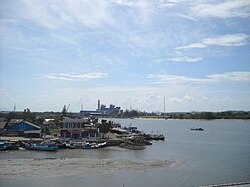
<point x="85" y="123"/>
<point x="50" y="131"/>
<point x="59" y="124"/>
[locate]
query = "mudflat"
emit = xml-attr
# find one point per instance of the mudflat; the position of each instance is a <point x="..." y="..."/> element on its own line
<point x="49" y="167"/>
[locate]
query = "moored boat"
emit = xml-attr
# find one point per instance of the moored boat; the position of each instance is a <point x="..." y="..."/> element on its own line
<point x="42" y="147"/>
<point x="93" y="145"/>
<point x="8" y="145"/>
<point x="154" y="137"/>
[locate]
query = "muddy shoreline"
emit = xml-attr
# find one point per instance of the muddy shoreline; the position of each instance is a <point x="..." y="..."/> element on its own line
<point x="49" y="167"/>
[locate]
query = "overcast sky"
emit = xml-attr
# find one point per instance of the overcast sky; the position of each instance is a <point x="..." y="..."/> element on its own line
<point x="134" y="53"/>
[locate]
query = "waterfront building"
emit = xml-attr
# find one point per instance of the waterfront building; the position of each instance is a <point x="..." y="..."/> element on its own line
<point x="73" y="128"/>
<point x="23" y="128"/>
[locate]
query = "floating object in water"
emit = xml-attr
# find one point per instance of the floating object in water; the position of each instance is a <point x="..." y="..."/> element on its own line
<point x="197" y="129"/>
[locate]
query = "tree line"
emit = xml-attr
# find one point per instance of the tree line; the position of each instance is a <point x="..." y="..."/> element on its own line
<point x="38" y="117"/>
<point x="189" y="115"/>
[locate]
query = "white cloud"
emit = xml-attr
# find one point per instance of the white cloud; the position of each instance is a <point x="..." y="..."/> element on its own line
<point x="54" y="14"/>
<point x="143" y="6"/>
<point x="175" y="100"/>
<point x="204" y="98"/>
<point x="189" y="98"/>
<point x="231" y="76"/>
<point x="192" y="46"/>
<point x="225" y="40"/>
<point x="179" y="59"/>
<point x="186" y="17"/>
<point x="176" y="79"/>
<point x="152" y="97"/>
<point x="186" y="98"/>
<point x="75" y="77"/>
<point x="125" y="3"/>
<point x="7" y="21"/>
<point x="227" y="9"/>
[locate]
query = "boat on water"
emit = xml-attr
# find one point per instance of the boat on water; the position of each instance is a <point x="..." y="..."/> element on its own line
<point x="63" y="144"/>
<point x="154" y="137"/>
<point x="42" y="147"/>
<point x="88" y="145"/>
<point x="8" y="145"/>
<point x="197" y="129"/>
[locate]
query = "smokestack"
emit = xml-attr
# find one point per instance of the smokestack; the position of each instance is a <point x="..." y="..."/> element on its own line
<point x="99" y="104"/>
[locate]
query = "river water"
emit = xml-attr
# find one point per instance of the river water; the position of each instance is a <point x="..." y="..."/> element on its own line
<point x="219" y="154"/>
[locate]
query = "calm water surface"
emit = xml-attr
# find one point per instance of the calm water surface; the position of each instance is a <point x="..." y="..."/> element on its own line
<point x="219" y="154"/>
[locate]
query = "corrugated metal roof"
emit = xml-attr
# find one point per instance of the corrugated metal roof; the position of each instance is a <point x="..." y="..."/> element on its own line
<point x="15" y="121"/>
<point x="18" y="127"/>
<point x="2" y="124"/>
<point x="32" y="124"/>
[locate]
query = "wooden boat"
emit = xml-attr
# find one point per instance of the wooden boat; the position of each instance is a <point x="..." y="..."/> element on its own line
<point x="197" y="129"/>
<point x="8" y="145"/>
<point x="154" y="137"/>
<point x="42" y="147"/>
<point x="94" y="145"/>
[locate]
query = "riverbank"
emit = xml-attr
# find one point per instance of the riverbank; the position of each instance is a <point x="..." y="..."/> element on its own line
<point x="51" y="167"/>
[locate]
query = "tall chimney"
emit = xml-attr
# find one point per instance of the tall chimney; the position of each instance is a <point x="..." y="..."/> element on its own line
<point x="99" y="104"/>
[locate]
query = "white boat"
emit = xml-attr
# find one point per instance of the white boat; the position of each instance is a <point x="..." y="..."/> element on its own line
<point x="93" y="145"/>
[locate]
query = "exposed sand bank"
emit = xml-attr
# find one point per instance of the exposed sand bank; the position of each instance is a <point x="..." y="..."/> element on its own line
<point x="36" y="168"/>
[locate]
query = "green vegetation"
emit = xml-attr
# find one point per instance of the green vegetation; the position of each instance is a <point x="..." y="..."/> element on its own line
<point x="210" y="115"/>
<point x="189" y="115"/>
<point x="39" y="117"/>
<point x="104" y="126"/>
<point x="130" y="114"/>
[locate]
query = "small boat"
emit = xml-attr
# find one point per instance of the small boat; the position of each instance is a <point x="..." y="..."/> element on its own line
<point x="72" y="146"/>
<point x="154" y="137"/>
<point x="8" y="145"/>
<point x="42" y="147"/>
<point x="197" y="129"/>
<point x="93" y="145"/>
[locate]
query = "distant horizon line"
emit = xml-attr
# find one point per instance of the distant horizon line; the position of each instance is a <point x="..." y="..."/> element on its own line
<point x="3" y="111"/>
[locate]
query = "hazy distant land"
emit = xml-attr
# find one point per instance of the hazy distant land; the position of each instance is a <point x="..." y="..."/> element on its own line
<point x="36" y="117"/>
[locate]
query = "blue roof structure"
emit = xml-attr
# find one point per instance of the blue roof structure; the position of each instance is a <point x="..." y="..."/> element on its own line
<point x="24" y="126"/>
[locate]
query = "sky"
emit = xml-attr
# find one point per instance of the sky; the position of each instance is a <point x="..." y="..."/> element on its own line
<point x="133" y="54"/>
